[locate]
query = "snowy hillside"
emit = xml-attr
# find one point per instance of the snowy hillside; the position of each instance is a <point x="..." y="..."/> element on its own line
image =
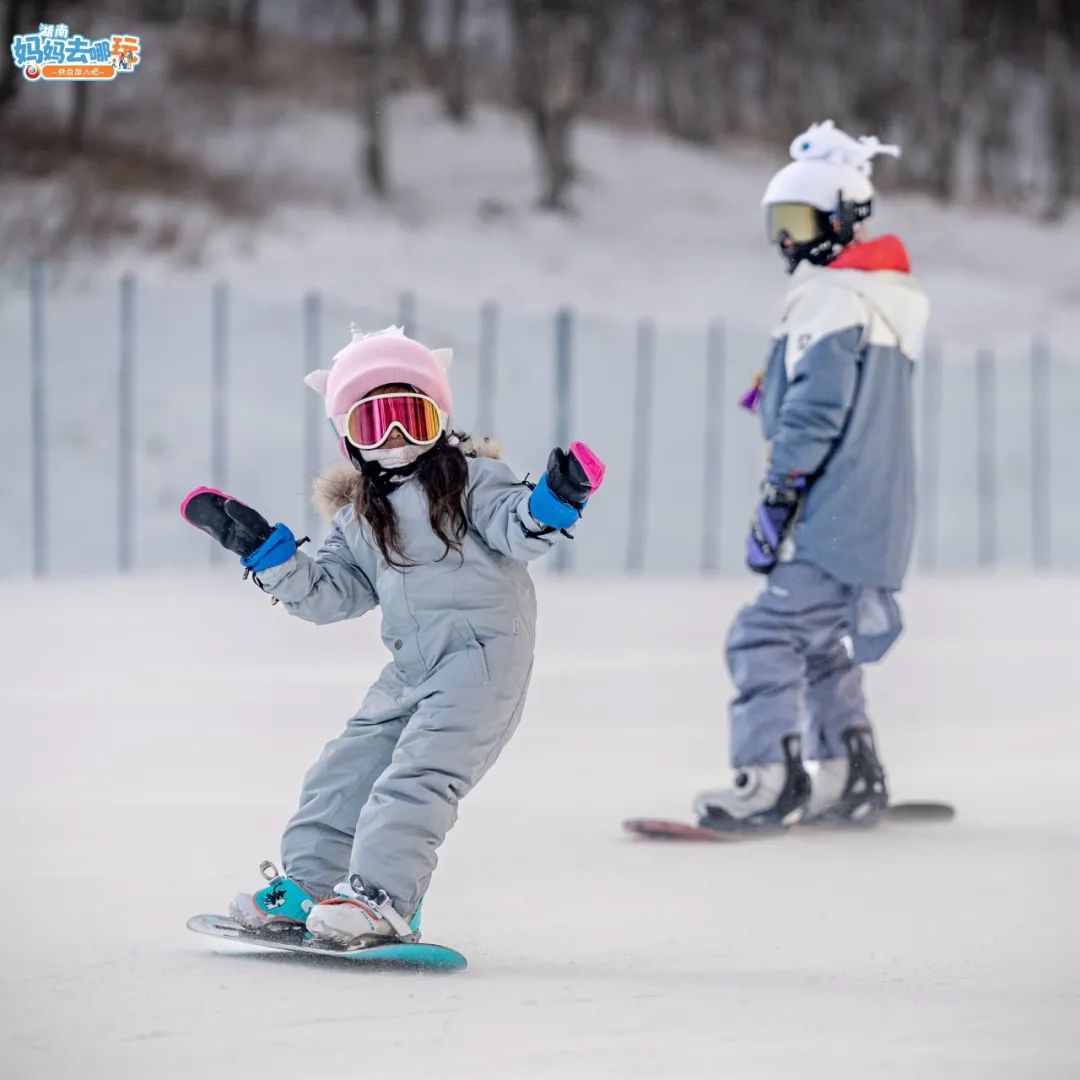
<point x="662" y="228"/>
<point x="156" y="729"/>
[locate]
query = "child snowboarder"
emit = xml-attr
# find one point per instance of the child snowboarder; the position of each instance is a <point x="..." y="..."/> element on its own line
<point x="435" y="530"/>
<point x="833" y="530"/>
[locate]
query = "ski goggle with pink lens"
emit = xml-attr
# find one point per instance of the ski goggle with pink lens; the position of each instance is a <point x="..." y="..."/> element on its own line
<point x="368" y="423"/>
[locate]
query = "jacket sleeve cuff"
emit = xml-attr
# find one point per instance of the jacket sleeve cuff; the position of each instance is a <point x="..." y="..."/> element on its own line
<point x="269" y="579"/>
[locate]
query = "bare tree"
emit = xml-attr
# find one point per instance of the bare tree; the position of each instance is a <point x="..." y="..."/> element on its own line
<point x="556" y="43"/>
<point x="80" y="107"/>
<point x="678" y="105"/>
<point x="411" y="45"/>
<point x="217" y="12"/>
<point x="786" y="61"/>
<point x="247" y="21"/>
<point x="1056" y="63"/>
<point x="20" y="17"/>
<point x="9" y="75"/>
<point x="692" y="91"/>
<point x="162" y="11"/>
<point x="1071" y="104"/>
<point x="79" y="116"/>
<point x="452" y="74"/>
<point x="929" y="96"/>
<point x="948" y="57"/>
<point x="372" y="97"/>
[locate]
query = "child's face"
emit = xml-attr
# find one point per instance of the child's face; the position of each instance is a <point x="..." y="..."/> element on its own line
<point x="395" y="439"/>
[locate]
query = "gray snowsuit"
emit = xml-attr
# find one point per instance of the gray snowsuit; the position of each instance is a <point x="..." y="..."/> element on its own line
<point x="460" y="631"/>
<point x="836" y="407"/>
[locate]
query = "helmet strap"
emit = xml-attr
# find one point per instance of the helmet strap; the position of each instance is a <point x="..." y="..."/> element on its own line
<point x="846" y="217"/>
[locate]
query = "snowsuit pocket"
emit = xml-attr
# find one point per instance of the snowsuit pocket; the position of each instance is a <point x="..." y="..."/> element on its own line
<point x="475" y="651"/>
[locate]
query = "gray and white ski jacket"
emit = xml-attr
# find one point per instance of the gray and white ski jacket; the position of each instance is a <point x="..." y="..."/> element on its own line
<point x="442" y="615"/>
<point x="836" y="405"/>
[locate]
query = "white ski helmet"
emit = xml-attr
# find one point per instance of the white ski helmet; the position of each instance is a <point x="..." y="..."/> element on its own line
<point x="813" y="204"/>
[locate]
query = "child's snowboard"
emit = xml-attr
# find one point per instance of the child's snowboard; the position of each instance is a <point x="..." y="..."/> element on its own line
<point x="667" y="829"/>
<point x="401" y="956"/>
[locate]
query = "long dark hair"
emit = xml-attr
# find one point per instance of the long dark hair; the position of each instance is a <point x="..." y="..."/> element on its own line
<point x="443" y="473"/>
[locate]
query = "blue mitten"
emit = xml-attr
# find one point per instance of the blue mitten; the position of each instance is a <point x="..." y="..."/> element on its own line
<point x="561" y="495"/>
<point x="278" y="547"/>
<point x="548" y="509"/>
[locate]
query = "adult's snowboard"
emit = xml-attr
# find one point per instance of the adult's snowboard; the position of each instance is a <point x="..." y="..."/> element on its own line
<point x="401" y="956"/>
<point x="920" y="812"/>
<point x="899" y="813"/>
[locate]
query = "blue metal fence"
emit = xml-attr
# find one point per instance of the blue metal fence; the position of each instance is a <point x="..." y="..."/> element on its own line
<point x="125" y="436"/>
<point x="712" y="492"/>
<point x="39" y="444"/>
<point x="658" y="402"/>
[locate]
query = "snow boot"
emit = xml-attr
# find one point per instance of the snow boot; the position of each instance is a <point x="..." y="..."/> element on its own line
<point x="358" y="917"/>
<point x="281" y="905"/>
<point x="762" y="798"/>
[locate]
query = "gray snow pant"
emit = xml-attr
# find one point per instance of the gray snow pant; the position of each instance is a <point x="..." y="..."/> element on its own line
<point x="790" y="657"/>
<point x="383" y="795"/>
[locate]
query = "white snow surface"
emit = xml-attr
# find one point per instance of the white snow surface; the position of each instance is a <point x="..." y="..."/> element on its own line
<point x="155" y="731"/>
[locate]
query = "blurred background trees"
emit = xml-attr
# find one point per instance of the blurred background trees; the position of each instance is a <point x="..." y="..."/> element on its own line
<point x="983" y="96"/>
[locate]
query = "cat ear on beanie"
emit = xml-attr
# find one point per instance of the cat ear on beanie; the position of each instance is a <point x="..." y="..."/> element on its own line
<point x="317" y="381"/>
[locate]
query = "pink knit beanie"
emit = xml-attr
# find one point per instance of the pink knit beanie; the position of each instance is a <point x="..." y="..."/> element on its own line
<point x="373" y="360"/>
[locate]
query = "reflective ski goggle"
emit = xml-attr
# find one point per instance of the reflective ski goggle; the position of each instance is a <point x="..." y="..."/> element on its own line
<point x="796" y="222"/>
<point x="369" y="422"/>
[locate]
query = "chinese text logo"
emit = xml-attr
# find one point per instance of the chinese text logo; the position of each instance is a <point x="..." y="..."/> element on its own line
<point x="54" y="53"/>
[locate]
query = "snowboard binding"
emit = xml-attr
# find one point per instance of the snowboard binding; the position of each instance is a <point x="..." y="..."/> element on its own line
<point x="865" y="794"/>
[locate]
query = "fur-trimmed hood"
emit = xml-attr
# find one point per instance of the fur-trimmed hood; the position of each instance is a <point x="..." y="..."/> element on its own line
<point x="336" y="488"/>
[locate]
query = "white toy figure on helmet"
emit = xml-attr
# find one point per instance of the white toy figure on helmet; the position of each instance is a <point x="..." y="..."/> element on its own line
<point x="813" y="206"/>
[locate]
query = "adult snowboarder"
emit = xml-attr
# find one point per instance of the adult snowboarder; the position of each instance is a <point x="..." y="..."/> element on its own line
<point x="833" y="530"/>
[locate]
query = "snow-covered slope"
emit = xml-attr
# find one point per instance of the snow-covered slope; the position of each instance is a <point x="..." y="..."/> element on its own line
<point x="662" y="229"/>
<point x="155" y="731"/>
